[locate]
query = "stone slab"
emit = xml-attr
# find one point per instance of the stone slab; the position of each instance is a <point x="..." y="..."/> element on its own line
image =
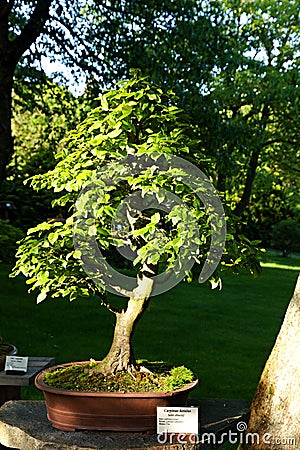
<point x="24" y="425"/>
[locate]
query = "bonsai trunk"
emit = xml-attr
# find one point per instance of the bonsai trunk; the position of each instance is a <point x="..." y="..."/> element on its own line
<point x="121" y="355"/>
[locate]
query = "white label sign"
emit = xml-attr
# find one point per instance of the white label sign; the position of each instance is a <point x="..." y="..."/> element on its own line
<point x="16" y="363"/>
<point x="177" y="420"/>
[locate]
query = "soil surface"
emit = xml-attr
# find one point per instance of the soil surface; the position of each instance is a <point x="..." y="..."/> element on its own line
<point x="149" y="377"/>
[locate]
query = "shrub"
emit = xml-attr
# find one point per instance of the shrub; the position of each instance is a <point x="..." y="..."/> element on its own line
<point x="9" y="236"/>
<point x="286" y="236"/>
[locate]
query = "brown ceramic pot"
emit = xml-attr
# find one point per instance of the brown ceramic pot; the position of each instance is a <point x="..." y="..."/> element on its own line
<point x="6" y="350"/>
<point x="111" y="411"/>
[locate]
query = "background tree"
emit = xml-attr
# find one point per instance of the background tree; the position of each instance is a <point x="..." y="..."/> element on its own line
<point x="43" y="114"/>
<point x="13" y="44"/>
<point x="176" y="44"/>
<point x="30" y="31"/>
<point x="258" y="94"/>
<point x="235" y="69"/>
<point x="232" y="64"/>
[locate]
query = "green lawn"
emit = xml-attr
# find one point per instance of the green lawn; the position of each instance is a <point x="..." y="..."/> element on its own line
<point x="224" y="336"/>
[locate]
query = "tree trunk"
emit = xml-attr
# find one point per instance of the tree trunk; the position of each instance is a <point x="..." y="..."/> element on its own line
<point x="253" y="164"/>
<point x="10" y="53"/>
<point x="275" y="410"/>
<point x="121" y="355"/>
<point x="246" y="196"/>
<point x="6" y="139"/>
<point x="7" y="66"/>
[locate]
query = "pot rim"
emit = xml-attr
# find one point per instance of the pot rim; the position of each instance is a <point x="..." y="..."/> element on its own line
<point x="39" y="383"/>
<point x="13" y="348"/>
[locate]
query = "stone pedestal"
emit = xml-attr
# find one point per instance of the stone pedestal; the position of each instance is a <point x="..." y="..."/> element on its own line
<point x="24" y="425"/>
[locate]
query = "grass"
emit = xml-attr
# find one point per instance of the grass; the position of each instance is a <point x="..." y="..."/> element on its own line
<point x="224" y="336"/>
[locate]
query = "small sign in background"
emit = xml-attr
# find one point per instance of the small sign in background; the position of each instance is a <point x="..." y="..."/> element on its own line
<point x="16" y="364"/>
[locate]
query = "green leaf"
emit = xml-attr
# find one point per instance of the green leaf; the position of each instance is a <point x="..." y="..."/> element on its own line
<point x="77" y="254"/>
<point x="52" y="238"/>
<point x="98" y="140"/>
<point x="42" y="296"/>
<point x="155" y="218"/>
<point x="142" y="231"/>
<point x="92" y="231"/>
<point x="104" y="103"/>
<point x="153" y="258"/>
<point x="114" y="133"/>
<point x="126" y="111"/>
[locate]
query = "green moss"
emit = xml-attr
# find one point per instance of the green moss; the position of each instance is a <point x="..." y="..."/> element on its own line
<point x="81" y="377"/>
<point x="178" y="377"/>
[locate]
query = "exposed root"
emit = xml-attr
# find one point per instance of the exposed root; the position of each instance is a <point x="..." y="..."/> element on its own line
<point x="103" y="368"/>
<point x="144" y="369"/>
<point x="131" y="374"/>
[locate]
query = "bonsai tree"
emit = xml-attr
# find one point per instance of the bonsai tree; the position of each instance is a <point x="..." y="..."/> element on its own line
<point x="122" y="182"/>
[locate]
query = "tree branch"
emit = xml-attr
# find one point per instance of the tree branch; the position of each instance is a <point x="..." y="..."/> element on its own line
<point x="32" y="29"/>
<point x="105" y="302"/>
<point x="84" y="65"/>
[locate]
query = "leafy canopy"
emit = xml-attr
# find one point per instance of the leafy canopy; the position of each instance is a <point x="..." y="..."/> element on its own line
<point x="135" y="119"/>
